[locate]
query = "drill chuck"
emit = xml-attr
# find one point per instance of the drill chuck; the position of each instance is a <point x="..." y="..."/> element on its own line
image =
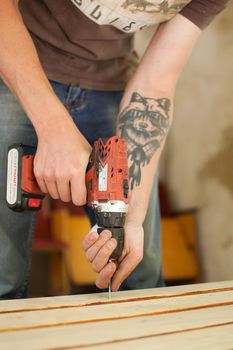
<point x="113" y="221"/>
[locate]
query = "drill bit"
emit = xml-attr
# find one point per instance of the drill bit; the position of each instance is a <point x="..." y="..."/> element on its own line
<point x="110" y="290"/>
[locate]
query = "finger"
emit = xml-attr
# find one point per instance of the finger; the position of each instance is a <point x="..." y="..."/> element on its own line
<point x="90" y="239"/>
<point x="64" y="191"/>
<point x="94" y="249"/>
<point x="123" y="255"/>
<point x="102" y="258"/>
<point x="124" y="269"/>
<point x="78" y="189"/>
<point x="39" y="178"/>
<point x="42" y="185"/>
<point x="105" y="275"/>
<point x="52" y="189"/>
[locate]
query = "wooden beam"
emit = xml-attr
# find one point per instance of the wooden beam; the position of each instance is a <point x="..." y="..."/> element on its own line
<point x="96" y="313"/>
<point x="102" y="298"/>
<point x="181" y="317"/>
<point x="188" y="340"/>
<point x="107" y="332"/>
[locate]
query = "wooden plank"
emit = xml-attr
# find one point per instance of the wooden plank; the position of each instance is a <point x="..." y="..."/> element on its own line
<point x="109" y="332"/>
<point x="102" y="298"/>
<point x="143" y="319"/>
<point x="58" y="317"/>
<point x="216" y="338"/>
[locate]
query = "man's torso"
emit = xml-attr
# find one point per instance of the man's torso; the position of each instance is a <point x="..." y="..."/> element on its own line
<point x="89" y="42"/>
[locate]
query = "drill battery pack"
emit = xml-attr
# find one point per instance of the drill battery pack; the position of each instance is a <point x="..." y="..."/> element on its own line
<point x="22" y="190"/>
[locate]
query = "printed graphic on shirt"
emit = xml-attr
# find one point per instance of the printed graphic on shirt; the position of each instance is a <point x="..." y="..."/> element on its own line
<point x="130" y="15"/>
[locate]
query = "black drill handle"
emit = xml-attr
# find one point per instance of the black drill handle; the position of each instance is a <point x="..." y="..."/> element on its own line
<point x="118" y="234"/>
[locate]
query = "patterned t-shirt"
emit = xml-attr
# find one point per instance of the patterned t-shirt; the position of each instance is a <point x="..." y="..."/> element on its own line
<point x="130" y="15"/>
<point x="89" y="42"/>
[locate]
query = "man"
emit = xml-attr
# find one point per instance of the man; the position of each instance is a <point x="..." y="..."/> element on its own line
<point x="67" y="63"/>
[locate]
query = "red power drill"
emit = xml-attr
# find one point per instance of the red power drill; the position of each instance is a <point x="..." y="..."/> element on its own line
<point x="106" y="181"/>
<point x="107" y="187"/>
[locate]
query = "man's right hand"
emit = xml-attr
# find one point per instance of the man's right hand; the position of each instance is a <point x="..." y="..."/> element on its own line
<point x="62" y="154"/>
<point x="61" y="161"/>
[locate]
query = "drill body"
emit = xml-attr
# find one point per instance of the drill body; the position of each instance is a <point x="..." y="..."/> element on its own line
<point x="107" y="187"/>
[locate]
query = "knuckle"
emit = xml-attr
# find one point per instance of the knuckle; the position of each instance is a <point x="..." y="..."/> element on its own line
<point x="109" y="246"/>
<point x="62" y="176"/>
<point x="48" y="177"/>
<point x="86" y="243"/>
<point x="88" y="253"/>
<point x="76" y="174"/>
<point x="106" y="250"/>
<point x="95" y="266"/>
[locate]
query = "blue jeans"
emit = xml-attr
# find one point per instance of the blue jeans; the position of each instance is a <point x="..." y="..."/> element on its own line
<point x="94" y="113"/>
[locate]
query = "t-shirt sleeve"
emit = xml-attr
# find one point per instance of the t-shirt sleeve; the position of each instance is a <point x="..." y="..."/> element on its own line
<point x="202" y="12"/>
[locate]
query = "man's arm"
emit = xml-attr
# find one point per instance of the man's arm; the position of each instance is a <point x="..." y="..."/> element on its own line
<point x="144" y="120"/>
<point x="59" y="170"/>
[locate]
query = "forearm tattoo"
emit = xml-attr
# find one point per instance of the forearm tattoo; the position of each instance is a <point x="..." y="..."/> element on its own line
<point x="143" y="124"/>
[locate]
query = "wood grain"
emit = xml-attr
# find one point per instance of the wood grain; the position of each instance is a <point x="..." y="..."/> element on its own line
<point x="141" y="308"/>
<point x="188" y="340"/>
<point x="102" y="298"/>
<point x="188" y="317"/>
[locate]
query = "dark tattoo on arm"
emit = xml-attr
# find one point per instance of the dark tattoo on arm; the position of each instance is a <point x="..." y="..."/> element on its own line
<point x="143" y="124"/>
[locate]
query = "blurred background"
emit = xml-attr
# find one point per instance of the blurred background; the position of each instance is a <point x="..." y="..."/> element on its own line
<point x="196" y="182"/>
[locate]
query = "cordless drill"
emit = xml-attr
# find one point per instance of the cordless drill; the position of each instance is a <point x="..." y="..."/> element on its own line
<point x="107" y="187"/>
<point x="106" y="182"/>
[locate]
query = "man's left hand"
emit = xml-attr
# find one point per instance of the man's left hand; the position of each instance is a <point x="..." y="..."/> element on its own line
<point x="99" y="247"/>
